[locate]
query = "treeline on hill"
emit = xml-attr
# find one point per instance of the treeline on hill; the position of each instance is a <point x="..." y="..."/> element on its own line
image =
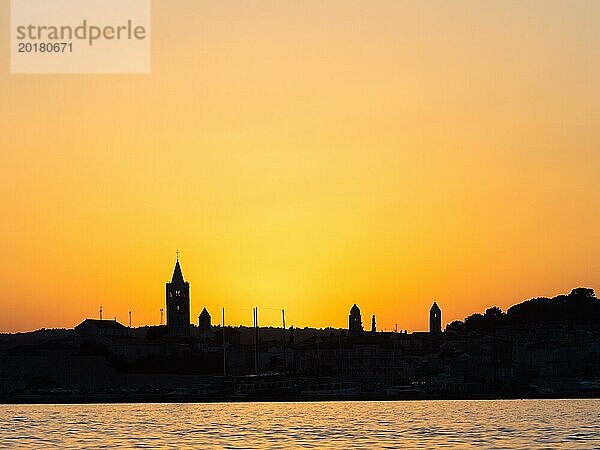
<point x="580" y="307"/>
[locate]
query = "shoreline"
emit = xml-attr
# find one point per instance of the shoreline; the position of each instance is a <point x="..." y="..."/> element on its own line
<point x="75" y="399"/>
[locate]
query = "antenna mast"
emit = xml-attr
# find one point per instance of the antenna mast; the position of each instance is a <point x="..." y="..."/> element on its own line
<point x="255" y="340"/>
<point x="284" y="355"/>
<point x="224" y="360"/>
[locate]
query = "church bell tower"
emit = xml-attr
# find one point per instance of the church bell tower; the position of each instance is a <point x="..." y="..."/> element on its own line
<point x="355" y="327"/>
<point x="435" y="319"/>
<point x="178" y="303"/>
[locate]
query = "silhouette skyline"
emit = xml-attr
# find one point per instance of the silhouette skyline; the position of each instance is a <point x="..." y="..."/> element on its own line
<point x="176" y="311"/>
<point x="538" y="348"/>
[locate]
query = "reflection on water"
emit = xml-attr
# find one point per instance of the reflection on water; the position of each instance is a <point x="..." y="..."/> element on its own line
<point x="421" y="424"/>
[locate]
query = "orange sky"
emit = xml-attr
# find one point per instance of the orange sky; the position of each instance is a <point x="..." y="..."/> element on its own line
<point x="307" y="156"/>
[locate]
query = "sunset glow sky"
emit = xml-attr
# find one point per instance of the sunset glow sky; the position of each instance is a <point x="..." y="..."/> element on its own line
<point x="309" y="155"/>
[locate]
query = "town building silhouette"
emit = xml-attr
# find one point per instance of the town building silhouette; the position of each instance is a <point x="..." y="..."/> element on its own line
<point x="355" y="327"/>
<point x="204" y="322"/>
<point x="177" y="294"/>
<point x="435" y="319"/>
<point x="540" y="347"/>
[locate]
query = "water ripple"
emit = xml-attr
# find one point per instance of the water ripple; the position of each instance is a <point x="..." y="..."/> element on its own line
<point x="504" y="424"/>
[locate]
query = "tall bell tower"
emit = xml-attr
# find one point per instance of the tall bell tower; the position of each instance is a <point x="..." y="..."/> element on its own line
<point x="355" y="327"/>
<point x="178" y="303"/>
<point x="435" y="319"/>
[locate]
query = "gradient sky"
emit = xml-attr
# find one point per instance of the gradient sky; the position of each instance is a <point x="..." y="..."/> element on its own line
<point x="308" y="155"/>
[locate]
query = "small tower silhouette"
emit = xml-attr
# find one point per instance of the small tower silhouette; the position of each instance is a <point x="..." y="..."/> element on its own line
<point x="435" y="319"/>
<point x="204" y="322"/>
<point x="178" y="303"/>
<point x="355" y="327"/>
<point x="373" y="325"/>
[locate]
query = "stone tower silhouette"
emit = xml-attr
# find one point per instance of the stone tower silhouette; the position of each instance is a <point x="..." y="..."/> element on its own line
<point x="204" y="322"/>
<point x="435" y="319"/>
<point x="355" y="321"/>
<point x="178" y="304"/>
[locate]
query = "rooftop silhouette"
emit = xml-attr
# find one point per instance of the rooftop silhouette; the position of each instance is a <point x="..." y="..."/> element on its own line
<point x="540" y="347"/>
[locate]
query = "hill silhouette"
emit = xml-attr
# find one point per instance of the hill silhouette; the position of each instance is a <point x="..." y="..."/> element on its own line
<point x="580" y="307"/>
